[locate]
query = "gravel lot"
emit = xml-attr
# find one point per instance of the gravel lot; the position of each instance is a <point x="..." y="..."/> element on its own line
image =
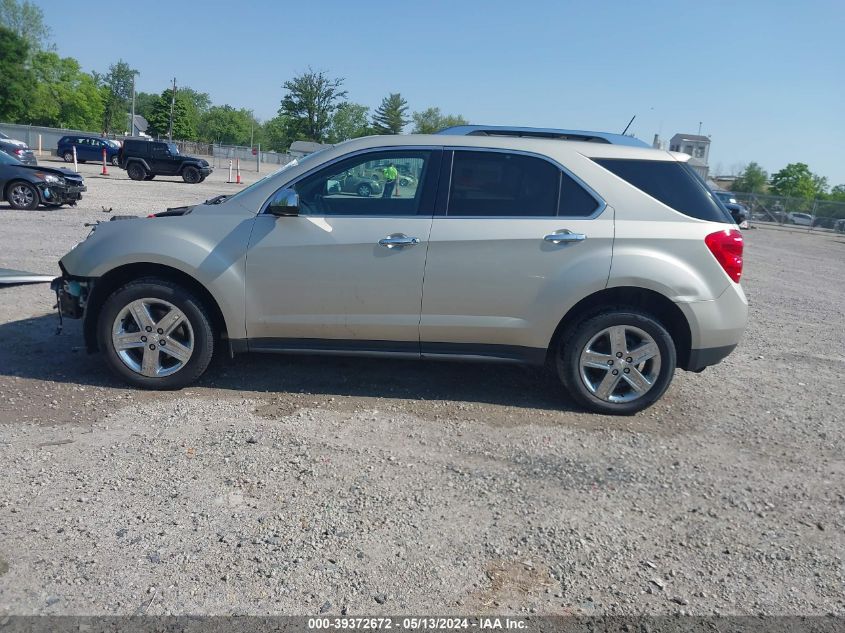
<point x="307" y="485"/>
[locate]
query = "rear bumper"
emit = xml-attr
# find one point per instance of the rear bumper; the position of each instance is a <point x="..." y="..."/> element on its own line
<point x="716" y="327"/>
<point x="701" y="358"/>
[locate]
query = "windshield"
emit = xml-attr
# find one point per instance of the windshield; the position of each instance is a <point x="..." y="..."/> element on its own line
<point x="5" y="159"/>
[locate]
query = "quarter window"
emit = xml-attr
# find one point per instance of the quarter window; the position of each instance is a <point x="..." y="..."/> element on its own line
<point x="378" y="183"/>
<point x="575" y="201"/>
<point x="502" y="184"/>
<point x="673" y="183"/>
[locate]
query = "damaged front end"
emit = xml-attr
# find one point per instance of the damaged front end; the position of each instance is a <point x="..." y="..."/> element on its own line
<point x="57" y="191"/>
<point x="71" y="297"/>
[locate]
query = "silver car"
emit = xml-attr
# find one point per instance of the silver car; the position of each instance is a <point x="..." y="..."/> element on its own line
<point x="609" y="263"/>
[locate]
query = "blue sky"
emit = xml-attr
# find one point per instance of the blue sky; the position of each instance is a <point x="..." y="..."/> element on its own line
<point x="765" y="78"/>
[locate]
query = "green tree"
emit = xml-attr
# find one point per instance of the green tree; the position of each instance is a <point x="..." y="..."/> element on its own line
<point x="277" y="133"/>
<point x="837" y="194"/>
<point x="309" y="103"/>
<point x="144" y="102"/>
<point x="226" y="125"/>
<point x="184" y="125"/>
<point x="116" y="90"/>
<point x="752" y="180"/>
<point x="797" y="181"/>
<point x="350" y="120"/>
<point x="27" y="21"/>
<point x="389" y="117"/>
<point x="431" y="120"/>
<point x="63" y="95"/>
<point x="16" y="79"/>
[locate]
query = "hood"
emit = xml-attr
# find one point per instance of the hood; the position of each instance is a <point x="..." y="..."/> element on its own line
<point x="59" y="171"/>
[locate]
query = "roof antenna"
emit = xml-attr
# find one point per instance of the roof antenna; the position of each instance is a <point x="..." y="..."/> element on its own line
<point x="629" y="124"/>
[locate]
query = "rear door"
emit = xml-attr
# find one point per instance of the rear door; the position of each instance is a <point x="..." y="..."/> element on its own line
<point x="514" y="240"/>
<point x="347" y="272"/>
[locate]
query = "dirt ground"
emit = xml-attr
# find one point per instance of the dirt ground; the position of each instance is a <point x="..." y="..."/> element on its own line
<point x="304" y="485"/>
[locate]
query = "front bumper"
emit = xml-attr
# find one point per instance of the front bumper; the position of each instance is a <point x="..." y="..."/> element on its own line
<point x="61" y="194"/>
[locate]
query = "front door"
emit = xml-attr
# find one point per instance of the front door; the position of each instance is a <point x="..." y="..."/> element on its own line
<point x="347" y="272"/>
<point x="161" y="160"/>
<point x="520" y="237"/>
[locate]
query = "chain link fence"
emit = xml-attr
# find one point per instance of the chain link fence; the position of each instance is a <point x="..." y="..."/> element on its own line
<point x="46" y="139"/>
<point x="822" y="215"/>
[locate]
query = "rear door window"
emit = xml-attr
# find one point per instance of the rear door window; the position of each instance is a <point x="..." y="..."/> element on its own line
<point x="502" y="184"/>
<point x="673" y="183"/>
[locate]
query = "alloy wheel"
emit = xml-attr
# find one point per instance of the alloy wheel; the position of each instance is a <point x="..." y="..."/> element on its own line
<point x="620" y="364"/>
<point x="153" y="337"/>
<point x="22" y="196"/>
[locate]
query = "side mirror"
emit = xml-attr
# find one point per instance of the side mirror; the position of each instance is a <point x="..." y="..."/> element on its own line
<point x="284" y="203"/>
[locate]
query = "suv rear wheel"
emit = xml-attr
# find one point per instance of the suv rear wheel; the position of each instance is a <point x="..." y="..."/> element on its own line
<point x="155" y="334"/>
<point x="191" y="175"/>
<point x="619" y="362"/>
<point x="136" y="171"/>
<point x="68" y="157"/>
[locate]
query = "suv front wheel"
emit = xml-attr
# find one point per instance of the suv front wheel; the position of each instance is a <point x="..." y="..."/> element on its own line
<point x="618" y="362"/>
<point x="155" y="334"/>
<point x="136" y="171"/>
<point x="191" y="175"/>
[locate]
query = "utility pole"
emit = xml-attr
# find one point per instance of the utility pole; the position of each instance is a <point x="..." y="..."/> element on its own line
<point x="172" y="105"/>
<point x="132" y="120"/>
<point x="699" y="128"/>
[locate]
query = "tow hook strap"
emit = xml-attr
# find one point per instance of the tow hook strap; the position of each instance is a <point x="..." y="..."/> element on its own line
<point x="58" y="306"/>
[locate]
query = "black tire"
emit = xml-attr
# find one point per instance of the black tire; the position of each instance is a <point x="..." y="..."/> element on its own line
<point x="191" y="175"/>
<point x="191" y="307"/>
<point x="203" y="178"/>
<point x="149" y="176"/>
<point x="22" y="195"/>
<point x="136" y="171"/>
<point x="68" y="157"/>
<point x="115" y="160"/>
<point x="572" y="344"/>
<point x="364" y="191"/>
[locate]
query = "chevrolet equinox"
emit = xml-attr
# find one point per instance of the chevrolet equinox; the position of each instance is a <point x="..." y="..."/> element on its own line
<point x="607" y="261"/>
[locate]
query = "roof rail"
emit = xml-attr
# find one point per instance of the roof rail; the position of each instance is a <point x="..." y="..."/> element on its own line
<point x="540" y="132"/>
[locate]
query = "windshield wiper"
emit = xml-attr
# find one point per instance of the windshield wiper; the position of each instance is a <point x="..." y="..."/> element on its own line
<point x="216" y="199"/>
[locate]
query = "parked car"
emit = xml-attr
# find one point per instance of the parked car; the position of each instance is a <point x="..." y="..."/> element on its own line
<point x="87" y="148"/>
<point x="23" y="154"/>
<point x="13" y="141"/>
<point x="27" y="186"/>
<point x="533" y="250"/>
<point x="144" y="160"/>
<point x="801" y="219"/>
<point x="823" y="222"/>
<point x="739" y="212"/>
<point x="348" y="182"/>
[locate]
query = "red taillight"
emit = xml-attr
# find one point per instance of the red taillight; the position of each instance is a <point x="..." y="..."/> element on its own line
<point x="19" y="152"/>
<point x="726" y="247"/>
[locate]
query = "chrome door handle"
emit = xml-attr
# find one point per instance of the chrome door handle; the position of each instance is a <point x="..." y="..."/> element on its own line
<point x="565" y="236"/>
<point x="398" y="241"/>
